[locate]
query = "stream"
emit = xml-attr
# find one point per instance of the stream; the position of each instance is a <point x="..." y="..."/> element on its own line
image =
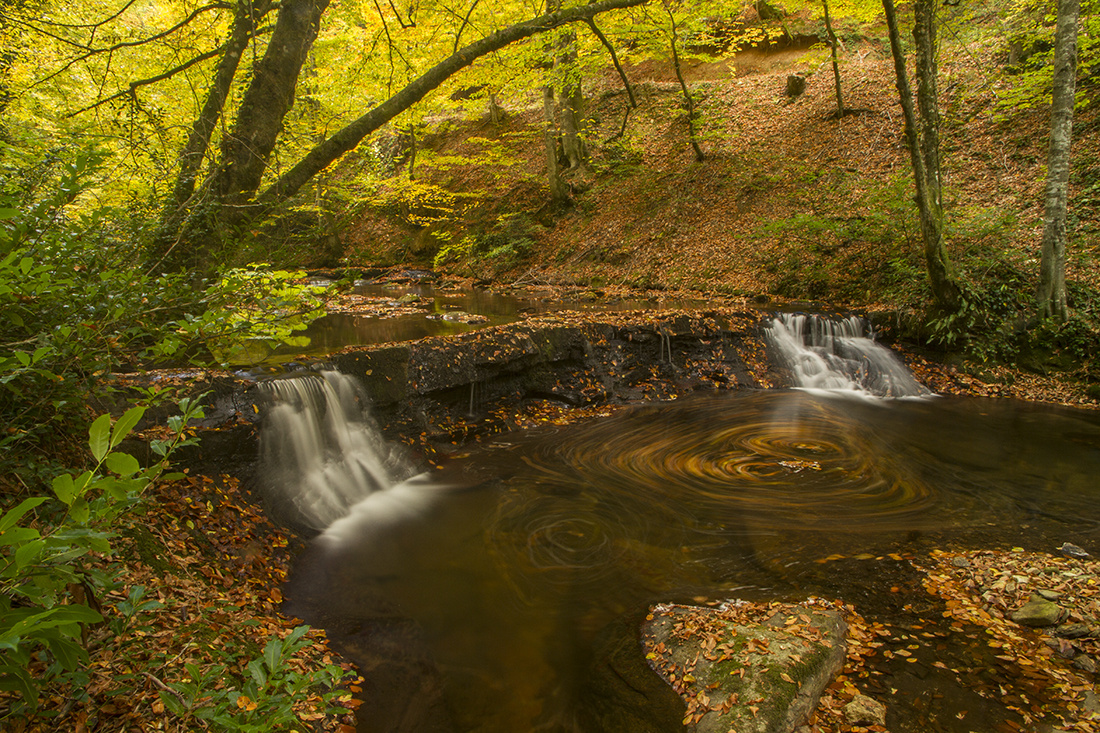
<point x="484" y="595"/>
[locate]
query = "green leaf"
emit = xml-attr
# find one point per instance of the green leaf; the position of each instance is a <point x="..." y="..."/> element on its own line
<point x="70" y="655"/>
<point x="99" y="436"/>
<point x="8" y="213"/>
<point x="11" y="517"/>
<point x="64" y="487"/>
<point x="29" y="553"/>
<point x="125" y="424"/>
<point x="296" y="634"/>
<point x="15" y="535"/>
<point x="80" y="512"/>
<point x="256" y="669"/>
<point x="273" y="654"/>
<point x="17" y="679"/>
<point x="122" y="463"/>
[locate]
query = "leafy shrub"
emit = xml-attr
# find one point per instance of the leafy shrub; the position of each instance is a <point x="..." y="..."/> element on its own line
<point x="43" y="583"/>
<point x="78" y="306"/>
<point x="511" y="241"/>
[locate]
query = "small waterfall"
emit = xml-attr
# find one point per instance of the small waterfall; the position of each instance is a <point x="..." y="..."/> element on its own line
<point x="319" y="452"/>
<point x="839" y="354"/>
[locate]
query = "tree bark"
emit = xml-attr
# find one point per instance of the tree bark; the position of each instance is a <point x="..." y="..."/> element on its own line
<point x="559" y="192"/>
<point x="1051" y="295"/>
<point x="572" y="100"/>
<point x="269" y="97"/>
<point x="689" y="104"/>
<point x="836" y="63"/>
<point x="923" y="144"/>
<point x="245" y="21"/>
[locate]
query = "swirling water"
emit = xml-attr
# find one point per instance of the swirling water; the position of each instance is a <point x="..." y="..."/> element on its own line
<point x="475" y="597"/>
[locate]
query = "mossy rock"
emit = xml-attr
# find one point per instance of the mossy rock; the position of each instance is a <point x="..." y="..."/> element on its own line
<point x="753" y="669"/>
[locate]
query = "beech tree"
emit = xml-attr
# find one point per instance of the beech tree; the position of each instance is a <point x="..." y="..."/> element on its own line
<point x="922" y="139"/>
<point x="129" y="77"/>
<point x="234" y="185"/>
<point x="1051" y="295"/>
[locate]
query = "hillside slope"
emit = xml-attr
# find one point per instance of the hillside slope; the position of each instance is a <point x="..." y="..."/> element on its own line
<point x="790" y="203"/>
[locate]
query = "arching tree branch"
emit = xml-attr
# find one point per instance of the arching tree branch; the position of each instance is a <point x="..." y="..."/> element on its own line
<point x="347" y="138"/>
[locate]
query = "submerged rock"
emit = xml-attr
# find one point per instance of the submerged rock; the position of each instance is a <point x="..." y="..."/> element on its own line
<point x="746" y="668"/>
<point x="863" y="710"/>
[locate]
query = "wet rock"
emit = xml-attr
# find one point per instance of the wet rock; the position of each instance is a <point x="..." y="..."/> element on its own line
<point x="1050" y="595"/>
<point x="1038" y="612"/>
<point x="761" y="677"/>
<point x="1073" y="631"/>
<point x="960" y="562"/>
<point x="863" y="710"/>
<point x="1085" y="663"/>
<point x="1072" y="550"/>
<point x="409" y="298"/>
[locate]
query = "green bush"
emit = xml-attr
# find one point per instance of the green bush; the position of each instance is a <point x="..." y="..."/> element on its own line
<point x="77" y="306"/>
<point x="43" y="542"/>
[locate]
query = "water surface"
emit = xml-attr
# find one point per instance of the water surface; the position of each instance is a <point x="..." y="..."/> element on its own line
<point x="485" y="588"/>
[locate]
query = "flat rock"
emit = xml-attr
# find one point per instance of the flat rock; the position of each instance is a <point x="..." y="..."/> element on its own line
<point x="745" y="667"/>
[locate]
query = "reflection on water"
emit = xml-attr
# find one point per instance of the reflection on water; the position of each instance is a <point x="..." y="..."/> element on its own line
<point x="480" y="591"/>
<point x="337" y="330"/>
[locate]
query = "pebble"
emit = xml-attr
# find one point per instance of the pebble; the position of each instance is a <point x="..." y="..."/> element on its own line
<point x="960" y="562"/>
<point x="1038" y="612"/>
<point x="1068" y="548"/>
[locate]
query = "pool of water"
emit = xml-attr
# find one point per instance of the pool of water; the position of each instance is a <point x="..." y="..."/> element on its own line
<point x="440" y="313"/>
<point x="479" y="594"/>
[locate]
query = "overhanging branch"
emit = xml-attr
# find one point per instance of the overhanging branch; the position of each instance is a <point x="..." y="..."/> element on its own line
<point x="344" y="140"/>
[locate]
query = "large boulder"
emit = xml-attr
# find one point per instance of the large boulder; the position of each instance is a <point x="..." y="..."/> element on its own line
<point x="746" y="667"/>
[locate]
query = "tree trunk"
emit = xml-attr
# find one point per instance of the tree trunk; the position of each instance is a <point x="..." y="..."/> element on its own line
<point x="269" y="97"/>
<point x="559" y="192"/>
<point x="572" y="99"/>
<point x="689" y="104"/>
<point x="245" y="21"/>
<point x="923" y="144"/>
<point x="836" y="64"/>
<point x="1051" y="296"/>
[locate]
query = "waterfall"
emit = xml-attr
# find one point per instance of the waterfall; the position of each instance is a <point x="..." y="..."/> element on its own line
<point x="320" y="454"/>
<point x="838" y="354"/>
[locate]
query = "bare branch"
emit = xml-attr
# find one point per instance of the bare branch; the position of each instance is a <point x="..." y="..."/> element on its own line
<point x="465" y="22"/>
<point x="615" y="60"/>
<point x="89" y="52"/>
<point x="97" y="24"/>
<point x="135" y="85"/>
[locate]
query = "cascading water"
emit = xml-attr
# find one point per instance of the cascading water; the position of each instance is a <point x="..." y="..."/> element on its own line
<point x="838" y="354"/>
<point x="483" y="596"/>
<point x="319" y="453"/>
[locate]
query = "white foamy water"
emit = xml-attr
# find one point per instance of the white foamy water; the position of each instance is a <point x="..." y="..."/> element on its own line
<point x="319" y="452"/>
<point x="839" y="355"/>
